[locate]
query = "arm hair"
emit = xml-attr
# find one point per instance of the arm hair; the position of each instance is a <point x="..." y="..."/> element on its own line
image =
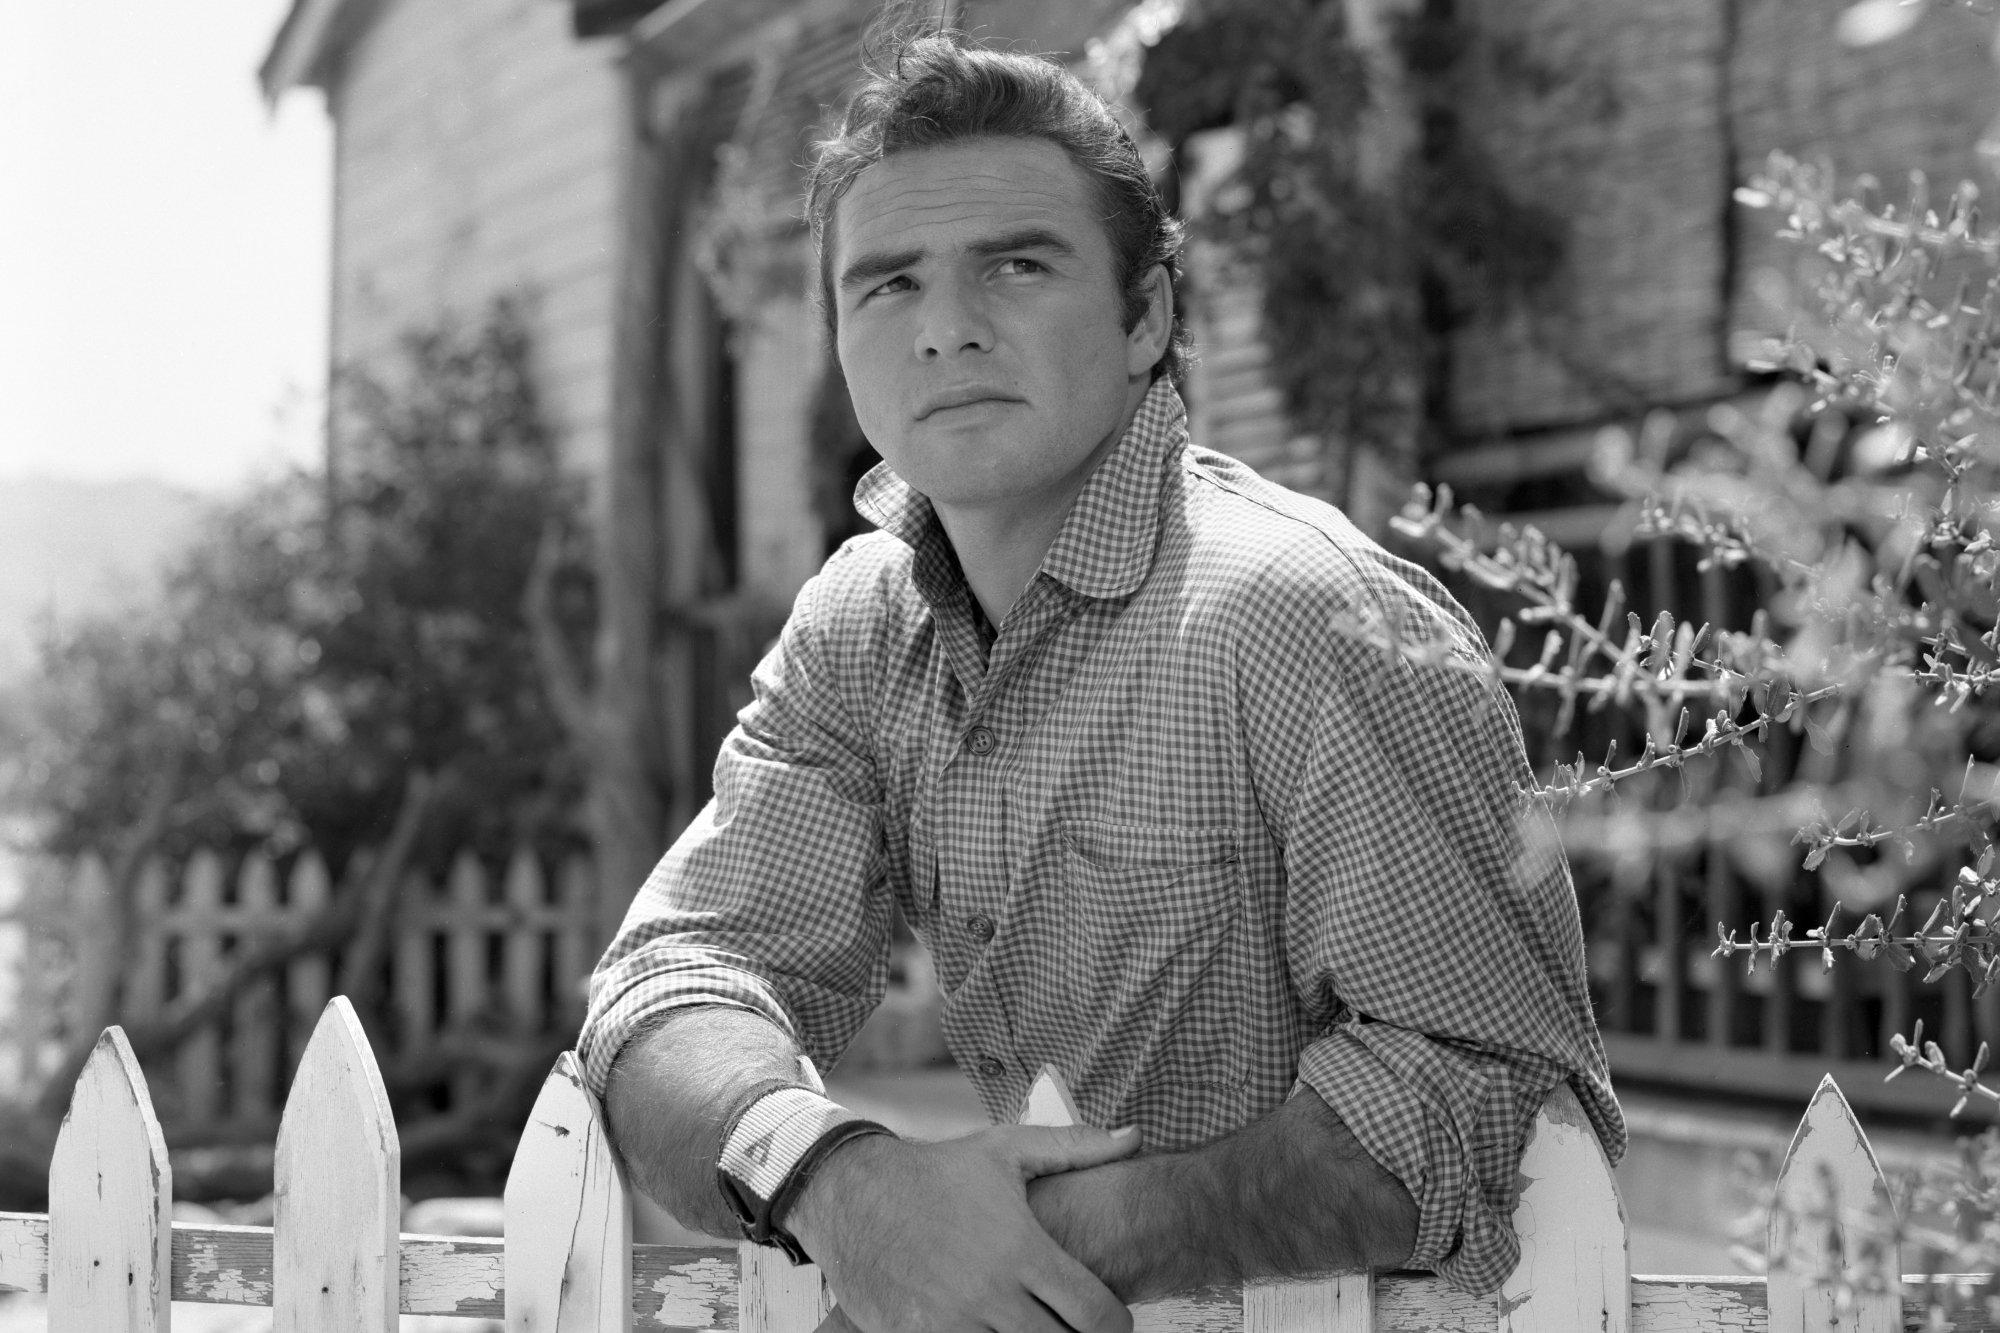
<point x="1291" y="1195"/>
<point x="671" y="1087"/>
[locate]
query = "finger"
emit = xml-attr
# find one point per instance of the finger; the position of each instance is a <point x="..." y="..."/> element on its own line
<point x="1043" y="1152"/>
<point x="1025" y="1314"/>
<point x="1075" y="1296"/>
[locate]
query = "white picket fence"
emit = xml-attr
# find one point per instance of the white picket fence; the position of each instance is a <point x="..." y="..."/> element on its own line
<point x="477" y="950"/>
<point x="111" y="1261"/>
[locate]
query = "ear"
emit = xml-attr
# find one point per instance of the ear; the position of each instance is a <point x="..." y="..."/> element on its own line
<point x="1147" y="342"/>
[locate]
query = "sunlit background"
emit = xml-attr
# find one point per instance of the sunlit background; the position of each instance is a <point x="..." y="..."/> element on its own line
<point x="162" y="245"/>
<point x="166" y="266"/>
<point x="163" y="290"/>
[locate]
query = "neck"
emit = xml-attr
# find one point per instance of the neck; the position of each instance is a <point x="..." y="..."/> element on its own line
<point x="1001" y="546"/>
<point x="1000" y="552"/>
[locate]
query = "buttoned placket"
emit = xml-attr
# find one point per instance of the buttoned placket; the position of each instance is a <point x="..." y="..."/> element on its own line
<point x="970" y="882"/>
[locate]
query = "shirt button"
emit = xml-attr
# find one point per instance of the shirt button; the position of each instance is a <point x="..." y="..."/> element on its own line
<point x="988" y="1067"/>
<point x="980" y="741"/>
<point x="981" y="926"/>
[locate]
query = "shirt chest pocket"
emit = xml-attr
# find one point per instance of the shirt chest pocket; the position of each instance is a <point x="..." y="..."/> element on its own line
<point x="1144" y="952"/>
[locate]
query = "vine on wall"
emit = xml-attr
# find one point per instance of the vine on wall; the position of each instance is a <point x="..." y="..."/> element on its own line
<point x="1364" y="281"/>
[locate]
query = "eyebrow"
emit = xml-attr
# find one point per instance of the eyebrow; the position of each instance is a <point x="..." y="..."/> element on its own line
<point x="1023" y="238"/>
<point x="881" y="264"/>
<point x="885" y="263"/>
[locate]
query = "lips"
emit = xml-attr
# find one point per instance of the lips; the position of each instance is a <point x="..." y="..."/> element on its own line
<point x="963" y="396"/>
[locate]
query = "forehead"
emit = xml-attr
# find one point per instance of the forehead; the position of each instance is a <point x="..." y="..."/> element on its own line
<point x="939" y="197"/>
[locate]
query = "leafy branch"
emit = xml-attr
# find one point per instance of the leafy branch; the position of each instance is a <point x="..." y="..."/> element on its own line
<point x="1916" y="1053"/>
<point x="1954" y="935"/>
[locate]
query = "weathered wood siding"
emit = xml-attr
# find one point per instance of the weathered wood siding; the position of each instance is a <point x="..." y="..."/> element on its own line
<point x="1630" y="122"/>
<point x="477" y="154"/>
<point x="1611" y="117"/>
<point x="1633" y="122"/>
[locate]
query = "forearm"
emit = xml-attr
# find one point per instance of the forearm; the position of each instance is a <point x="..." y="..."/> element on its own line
<point x="1292" y="1195"/>
<point x="670" y="1091"/>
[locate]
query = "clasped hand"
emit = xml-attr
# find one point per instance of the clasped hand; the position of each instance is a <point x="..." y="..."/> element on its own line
<point x="938" y="1237"/>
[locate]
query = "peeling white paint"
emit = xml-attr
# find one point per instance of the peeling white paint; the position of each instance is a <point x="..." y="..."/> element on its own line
<point x="696" y="1295"/>
<point x="209" y="1279"/>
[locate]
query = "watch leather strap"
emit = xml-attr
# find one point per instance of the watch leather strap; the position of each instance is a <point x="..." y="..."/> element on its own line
<point x="776" y="1139"/>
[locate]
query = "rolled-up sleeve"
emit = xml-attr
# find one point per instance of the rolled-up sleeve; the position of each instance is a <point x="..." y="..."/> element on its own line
<point x="774" y="898"/>
<point x="1431" y="918"/>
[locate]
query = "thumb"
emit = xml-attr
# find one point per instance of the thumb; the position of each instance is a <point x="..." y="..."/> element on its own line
<point x="1043" y="1151"/>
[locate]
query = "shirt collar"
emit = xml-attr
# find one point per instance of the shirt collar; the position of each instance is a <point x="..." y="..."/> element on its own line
<point x="1106" y="544"/>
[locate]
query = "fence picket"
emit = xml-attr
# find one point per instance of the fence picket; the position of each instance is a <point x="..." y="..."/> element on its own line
<point x="778" y="1298"/>
<point x="1574" y="1270"/>
<point x="198" y="1067"/>
<point x="1048" y="1102"/>
<point x="465" y="977"/>
<point x="527" y="942"/>
<point x="335" y="1259"/>
<point x="415" y="964"/>
<point x="568" y="1221"/>
<point x="110" y="1202"/>
<point x="146" y="984"/>
<point x="308" y="979"/>
<point x="253" y="1040"/>
<point x="1344" y="1304"/>
<point x="98" y="969"/>
<point x="577" y="942"/>
<point x="1828" y="1186"/>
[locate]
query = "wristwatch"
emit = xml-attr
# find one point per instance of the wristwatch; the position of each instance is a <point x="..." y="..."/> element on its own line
<point x="770" y="1150"/>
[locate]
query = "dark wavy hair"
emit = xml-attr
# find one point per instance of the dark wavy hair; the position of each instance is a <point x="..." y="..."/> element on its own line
<point x="936" y="88"/>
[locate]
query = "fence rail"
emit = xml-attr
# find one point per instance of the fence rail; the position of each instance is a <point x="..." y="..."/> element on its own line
<point x="478" y="952"/>
<point x="111" y="1261"/>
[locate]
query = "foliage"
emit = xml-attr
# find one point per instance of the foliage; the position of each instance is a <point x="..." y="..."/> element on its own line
<point x="1862" y="495"/>
<point x="1364" y="268"/>
<point x="1879" y="640"/>
<point x="329" y="639"/>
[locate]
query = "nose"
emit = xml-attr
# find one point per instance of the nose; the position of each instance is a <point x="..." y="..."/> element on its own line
<point x="954" y="321"/>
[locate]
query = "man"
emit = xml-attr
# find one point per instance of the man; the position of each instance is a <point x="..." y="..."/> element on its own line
<point x="1091" y="711"/>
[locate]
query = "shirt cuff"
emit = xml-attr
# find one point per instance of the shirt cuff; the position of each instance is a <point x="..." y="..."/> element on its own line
<point x="620" y="1002"/>
<point x="1426" y="1115"/>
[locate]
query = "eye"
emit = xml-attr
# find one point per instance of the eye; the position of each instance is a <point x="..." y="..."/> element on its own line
<point x="1020" y="265"/>
<point x="901" y="282"/>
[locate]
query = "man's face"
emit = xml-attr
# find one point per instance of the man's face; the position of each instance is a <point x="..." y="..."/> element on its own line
<point x="978" y="316"/>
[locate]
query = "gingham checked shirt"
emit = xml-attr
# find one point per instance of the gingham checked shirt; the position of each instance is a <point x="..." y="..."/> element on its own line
<point x="1178" y="833"/>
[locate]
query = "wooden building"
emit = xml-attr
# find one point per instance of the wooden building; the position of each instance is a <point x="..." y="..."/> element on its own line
<point x="631" y="167"/>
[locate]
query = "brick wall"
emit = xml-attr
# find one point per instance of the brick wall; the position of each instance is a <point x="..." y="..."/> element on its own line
<point x="477" y="153"/>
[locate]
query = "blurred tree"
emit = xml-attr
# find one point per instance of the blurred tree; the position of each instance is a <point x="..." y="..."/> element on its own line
<point x="319" y="648"/>
<point x="347" y="666"/>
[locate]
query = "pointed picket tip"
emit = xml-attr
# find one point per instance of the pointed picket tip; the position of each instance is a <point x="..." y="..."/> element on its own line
<point x="110" y="1202"/>
<point x="1831" y="1200"/>
<point x="1575" y="1268"/>
<point x="1049" y="1102"/>
<point x="568" y="1220"/>
<point x="335" y="1258"/>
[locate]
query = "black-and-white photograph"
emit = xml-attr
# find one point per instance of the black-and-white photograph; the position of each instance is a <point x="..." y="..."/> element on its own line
<point x="1000" y="666"/>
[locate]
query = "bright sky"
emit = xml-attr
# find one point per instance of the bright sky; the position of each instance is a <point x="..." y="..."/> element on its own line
<point x="163" y="245"/>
